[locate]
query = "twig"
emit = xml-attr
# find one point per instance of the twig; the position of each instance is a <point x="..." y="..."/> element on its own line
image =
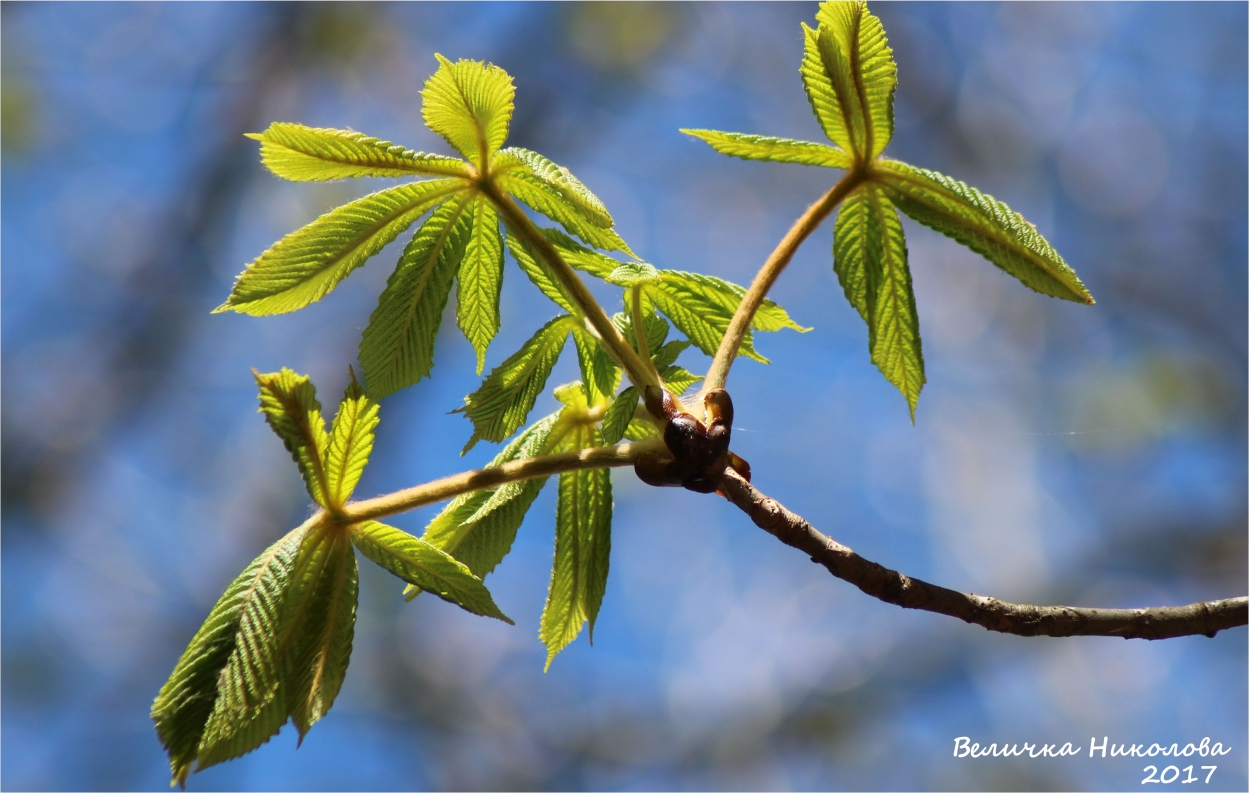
<point x="1203" y="618"/>
<point x="451" y="486"/>
<point x="767" y="276"/>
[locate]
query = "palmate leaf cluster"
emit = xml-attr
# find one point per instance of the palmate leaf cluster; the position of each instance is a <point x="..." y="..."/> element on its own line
<point x="849" y="74"/>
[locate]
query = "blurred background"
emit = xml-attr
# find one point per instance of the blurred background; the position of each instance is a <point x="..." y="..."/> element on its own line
<point x="1061" y="453"/>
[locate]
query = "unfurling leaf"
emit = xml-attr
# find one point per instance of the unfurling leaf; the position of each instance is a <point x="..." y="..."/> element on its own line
<point x="230" y="671"/>
<point x="423" y="565"/>
<point x="312" y="154"/>
<point x="677" y="379"/>
<point x="478" y="528"/>
<point x="307" y="264"/>
<point x="469" y="103"/>
<point x="317" y="625"/>
<point x="619" y="414"/>
<point x="289" y="403"/>
<point x="870" y="258"/>
<point x="849" y="73"/>
<point x="984" y="224"/>
<point x="532" y="166"/>
<point x="351" y="442"/>
<point x="480" y="279"/>
<point x="768" y="149"/>
<point x="633" y="274"/>
<point x="397" y="348"/>
<point x="583" y="540"/>
<point x="508" y="393"/>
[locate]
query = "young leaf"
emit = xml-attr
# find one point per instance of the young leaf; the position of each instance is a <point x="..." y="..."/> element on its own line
<point x="641" y="430"/>
<point x="982" y="223"/>
<point x="599" y="372"/>
<point x="478" y="528"/>
<point x="289" y="402"/>
<point x="507" y="394"/>
<point x="312" y="154"/>
<point x="849" y="73"/>
<point x="239" y="636"/>
<point x="397" y="348"/>
<point x="307" y="264"/>
<point x="546" y="200"/>
<point x="469" y="103"/>
<point x="768" y="149"/>
<point x="667" y="355"/>
<point x="318" y="622"/>
<point x="677" y="379"/>
<point x="870" y="258"/>
<point x="633" y="274"/>
<point x="351" y="442"/>
<point x="654" y="326"/>
<point x="249" y="706"/>
<point x="581" y="257"/>
<point x="583" y="539"/>
<point x="618" y="416"/>
<point x="701" y="307"/>
<point x="532" y="166"/>
<point x="539" y="276"/>
<point x="425" y="566"/>
<point x="480" y="279"/>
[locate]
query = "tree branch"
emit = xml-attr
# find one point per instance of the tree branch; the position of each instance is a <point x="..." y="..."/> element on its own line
<point x="1203" y="618"/>
<point x="448" y="487"/>
<point x="767" y="276"/>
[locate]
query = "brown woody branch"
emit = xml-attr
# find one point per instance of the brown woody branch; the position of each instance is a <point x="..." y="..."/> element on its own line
<point x="1204" y="618"/>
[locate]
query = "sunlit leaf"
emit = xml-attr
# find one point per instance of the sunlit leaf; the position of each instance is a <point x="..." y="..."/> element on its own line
<point x="619" y="414"/>
<point x="850" y="75"/>
<point x="599" y="372"/>
<point x="289" y="404"/>
<point x="469" y="103"/>
<point x="546" y="200"/>
<point x="583" y="540"/>
<point x="629" y="274"/>
<point x="480" y="279"/>
<point x="307" y="264"/>
<point x="984" y="224"/>
<point x="769" y="149"/>
<point x="529" y="165"/>
<point x="507" y="395"/>
<point x="350" y="443"/>
<point x="397" y="348"/>
<point x="312" y="154"/>
<point x="539" y="276"/>
<point x="229" y="670"/>
<point x="870" y="258"/>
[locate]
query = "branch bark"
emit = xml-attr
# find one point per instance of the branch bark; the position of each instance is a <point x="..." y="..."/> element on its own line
<point x="1204" y="618"/>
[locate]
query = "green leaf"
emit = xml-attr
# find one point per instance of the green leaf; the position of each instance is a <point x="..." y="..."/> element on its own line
<point x="641" y="430"/>
<point x="508" y="393"/>
<point x="546" y="200"/>
<point x="397" y="348"/>
<point x="870" y="258"/>
<point x="289" y="403"/>
<point x="481" y="277"/>
<point x="318" y="621"/>
<point x="307" y="264"/>
<point x="312" y="154"/>
<point x="982" y="223"/>
<point x="655" y="326"/>
<point x="579" y="256"/>
<point x="532" y="166"/>
<point x="633" y="274"/>
<point x="423" y="565"/>
<point x="618" y="416"/>
<point x="701" y="307"/>
<point x="583" y="540"/>
<point x="850" y="75"/>
<point x="769" y="149"/>
<point x="469" y="103"/>
<point x="478" y="528"/>
<point x="351" y="442"/>
<point x="539" y="276"/>
<point x="250" y="706"/>
<point x="599" y="372"/>
<point x="677" y="379"/>
<point x="235" y="645"/>
<point x="668" y="353"/>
